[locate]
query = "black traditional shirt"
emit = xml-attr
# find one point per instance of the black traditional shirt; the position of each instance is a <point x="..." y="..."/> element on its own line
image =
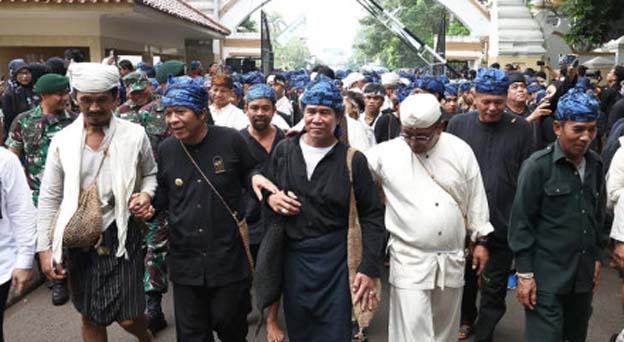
<point x="500" y="148"/>
<point x="325" y="197"/>
<point x="253" y="208"/>
<point x="556" y="228"/>
<point x="205" y="248"/>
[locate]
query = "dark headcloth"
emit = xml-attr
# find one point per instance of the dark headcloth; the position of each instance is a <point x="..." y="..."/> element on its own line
<point x="491" y="81"/>
<point x="577" y="106"/>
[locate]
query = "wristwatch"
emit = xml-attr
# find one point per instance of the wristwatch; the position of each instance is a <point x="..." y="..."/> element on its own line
<point x="482" y="241"/>
<point x="528" y="275"/>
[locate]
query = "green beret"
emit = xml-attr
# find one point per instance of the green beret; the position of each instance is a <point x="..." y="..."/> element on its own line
<point x="51" y="83"/>
<point x="136" y="80"/>
<point x="173" y="68"/>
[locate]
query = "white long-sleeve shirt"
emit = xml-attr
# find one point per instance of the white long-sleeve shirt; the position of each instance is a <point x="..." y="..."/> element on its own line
<point x="426" y="224"/>
<point x="229" y="116"/>
<point x="17" y="222"/>
<point x="615" y="188"/>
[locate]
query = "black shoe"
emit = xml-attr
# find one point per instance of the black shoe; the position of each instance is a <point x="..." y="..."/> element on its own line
<point x="155" y="317"/>
<point x="156" y="322"/>
<point x="59" y="293"/>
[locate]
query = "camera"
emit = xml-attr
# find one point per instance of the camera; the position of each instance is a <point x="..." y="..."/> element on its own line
<point x="567" y="61"/>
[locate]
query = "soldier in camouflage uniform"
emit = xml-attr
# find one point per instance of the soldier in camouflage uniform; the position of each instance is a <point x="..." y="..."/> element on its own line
<point x="139" y="92"/>
<point x="151" y="117"/>
<point x="30" y="135"/>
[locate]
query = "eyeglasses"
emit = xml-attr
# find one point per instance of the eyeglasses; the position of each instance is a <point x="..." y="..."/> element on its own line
<point x="418" y="138"/>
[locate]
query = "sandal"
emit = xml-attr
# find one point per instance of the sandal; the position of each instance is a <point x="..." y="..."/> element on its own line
<point x="357" y="334"/>
<point x="465" y="332"/>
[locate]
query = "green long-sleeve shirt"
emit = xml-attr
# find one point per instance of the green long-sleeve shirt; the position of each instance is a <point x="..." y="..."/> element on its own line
<point x="556" y="226"/>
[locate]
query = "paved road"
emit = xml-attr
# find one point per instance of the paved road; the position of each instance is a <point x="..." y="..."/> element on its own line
<point x="34" y="319"/>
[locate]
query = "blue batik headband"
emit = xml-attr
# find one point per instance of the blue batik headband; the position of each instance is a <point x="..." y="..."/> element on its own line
<point x="185" y="92"/>
<point x="323" y="92"/>
<point x="261" y="91"/>
<point x="491" y="81"/>
<point x="577" y="106"/>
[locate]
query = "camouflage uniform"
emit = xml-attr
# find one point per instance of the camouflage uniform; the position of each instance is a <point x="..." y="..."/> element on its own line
<point x="31" y="132"/>
<point x="130" y="111"/>
<point x="152" y="118"/>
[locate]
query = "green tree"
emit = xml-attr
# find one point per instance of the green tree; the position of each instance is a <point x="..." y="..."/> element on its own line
<point x="295" y="54"/>
<point x="456" y="28"/>
<point x="592" y="22"/>
<point x="376" y="43"/>
<point x="248" y="25"/>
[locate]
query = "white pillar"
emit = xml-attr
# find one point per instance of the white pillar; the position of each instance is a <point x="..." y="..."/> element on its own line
<point x="619" y="52"/>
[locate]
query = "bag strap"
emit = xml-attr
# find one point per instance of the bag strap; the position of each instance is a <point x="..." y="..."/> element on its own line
<point x="232" y="213"/>
<point x="350" y="153"/>
<point x="440" y="184"/>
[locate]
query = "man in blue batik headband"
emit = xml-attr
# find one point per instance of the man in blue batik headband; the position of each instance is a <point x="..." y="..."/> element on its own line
<point x="323" y="92"/>
<point x="491" y="87"/>
<point x="183" y="91"/>
<point x="556" y="227"/>
<point x="450" y="104"/>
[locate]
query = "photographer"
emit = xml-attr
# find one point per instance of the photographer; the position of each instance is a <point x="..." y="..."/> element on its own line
<point x="544" y="132"/>
<point x="610" y="98"/>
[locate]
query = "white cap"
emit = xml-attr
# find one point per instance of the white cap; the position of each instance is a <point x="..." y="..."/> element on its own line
<point x="390" y="78"/>
<point x="420" y="111"/>
<point x="93" y="77"/>
<point x="353" y="77"/>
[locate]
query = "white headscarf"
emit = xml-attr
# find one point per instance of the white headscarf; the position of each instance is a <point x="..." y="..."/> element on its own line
<point x="353" y="77"/>
<point x="420" y="111"/>
<point x="390" y="78"/>
<point x="93" y="77"/>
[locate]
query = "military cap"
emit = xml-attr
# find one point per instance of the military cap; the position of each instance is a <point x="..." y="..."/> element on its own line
<point x="136" y="80"/>
<point x="51" y="83"/>
<point x="169" y="68"/>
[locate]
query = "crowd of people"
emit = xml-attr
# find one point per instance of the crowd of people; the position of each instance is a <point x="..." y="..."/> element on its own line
<point x="303" y="185"/>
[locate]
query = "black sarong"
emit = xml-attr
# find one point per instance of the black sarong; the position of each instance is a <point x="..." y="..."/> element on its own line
<point x="104" y="288"/>
<point x="317" y="302"/>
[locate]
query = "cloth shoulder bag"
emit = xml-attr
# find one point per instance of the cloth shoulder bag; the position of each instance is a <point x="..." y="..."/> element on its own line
<point x="355" y="247"/>
<point x="84" y="229"/>
<point x="243" y="229"/>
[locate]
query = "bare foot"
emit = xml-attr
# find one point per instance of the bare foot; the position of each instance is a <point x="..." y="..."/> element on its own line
<point x="274" y="332"/>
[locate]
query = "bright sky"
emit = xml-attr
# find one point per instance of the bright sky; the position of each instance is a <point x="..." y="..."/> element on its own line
<point x="330" y="23"/>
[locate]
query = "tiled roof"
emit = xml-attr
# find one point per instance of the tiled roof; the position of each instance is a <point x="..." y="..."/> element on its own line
<point x="177" y="8"/>
<point x="182" y="10"/>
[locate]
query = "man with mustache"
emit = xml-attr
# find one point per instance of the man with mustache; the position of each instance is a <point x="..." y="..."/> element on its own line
<point x="556" y="229"/>
<point x="202" y="172"/>
<point x="114" y="155"/>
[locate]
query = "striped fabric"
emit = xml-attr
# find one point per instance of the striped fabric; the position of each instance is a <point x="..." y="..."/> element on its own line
<point x="106" y="289"/>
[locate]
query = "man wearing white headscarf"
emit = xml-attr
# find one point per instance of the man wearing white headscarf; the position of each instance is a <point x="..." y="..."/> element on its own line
<point x="435" y="196"/>
<point x="97" y="148"/>
<point x="355" y="81"/>
<point x="390" y="81"/>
